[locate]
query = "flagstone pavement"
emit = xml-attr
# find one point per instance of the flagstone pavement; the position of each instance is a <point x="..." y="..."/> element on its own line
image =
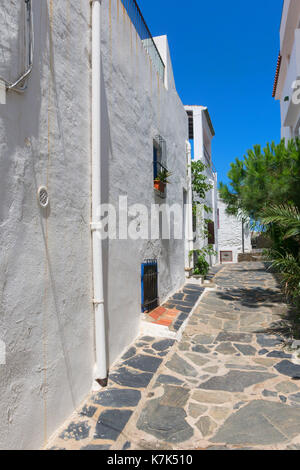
<point x="230" y="383"/>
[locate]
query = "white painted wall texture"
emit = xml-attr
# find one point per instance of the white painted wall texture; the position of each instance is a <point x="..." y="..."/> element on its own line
<point x="46" y="317"/>
<point x="138" y="107"/>
<point x="230" y="233"/>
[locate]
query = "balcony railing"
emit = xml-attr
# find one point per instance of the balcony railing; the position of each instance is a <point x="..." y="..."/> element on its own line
<point x="137" y="19"/>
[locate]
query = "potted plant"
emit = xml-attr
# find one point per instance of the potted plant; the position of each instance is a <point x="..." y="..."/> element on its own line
<point x="201" y="268"/>
<point x="161" y="180"/>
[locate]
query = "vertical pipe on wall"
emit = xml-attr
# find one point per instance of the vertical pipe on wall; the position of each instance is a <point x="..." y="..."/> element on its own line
<point x="100" y="336"/>
<point x="190" y="202"/>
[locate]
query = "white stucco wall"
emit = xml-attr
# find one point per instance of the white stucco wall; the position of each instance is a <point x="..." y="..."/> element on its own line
<point x="138" y="106"/>
<point x="46" y="314"/>
<point x="230" y="233"/>
<point x="46" y="317"/>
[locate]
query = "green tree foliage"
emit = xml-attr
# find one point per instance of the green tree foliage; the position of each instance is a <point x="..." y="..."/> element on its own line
<point x="200" y="186"/>
<point x="265" y="185"/>
<point x="262" y="178"/>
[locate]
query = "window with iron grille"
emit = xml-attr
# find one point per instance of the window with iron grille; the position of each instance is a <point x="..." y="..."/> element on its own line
<point x="149" y="277"/>
<point x="160" y="171"/>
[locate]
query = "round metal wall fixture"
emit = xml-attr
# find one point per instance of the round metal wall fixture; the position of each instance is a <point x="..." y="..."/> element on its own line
<point x="43" y="197"/>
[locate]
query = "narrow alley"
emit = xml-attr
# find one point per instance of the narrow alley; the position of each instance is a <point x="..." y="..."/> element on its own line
<point x="230" y="382"/>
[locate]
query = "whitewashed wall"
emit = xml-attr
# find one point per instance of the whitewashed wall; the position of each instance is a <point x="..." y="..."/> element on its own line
<point x="138" y="107"/>
<point x="46" y="316"/>
<point x="230" y="233"/>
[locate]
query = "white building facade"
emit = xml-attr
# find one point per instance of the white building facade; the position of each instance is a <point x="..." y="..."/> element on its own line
<point x="201" y="133"/>
<point x="234" y="235"/>
<point x="48" y="306"/>
<point x="287" y="79"/>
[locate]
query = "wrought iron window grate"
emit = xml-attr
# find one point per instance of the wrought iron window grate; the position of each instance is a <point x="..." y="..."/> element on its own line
<point x="137" y="19"/>
<point x="149" y="285"/>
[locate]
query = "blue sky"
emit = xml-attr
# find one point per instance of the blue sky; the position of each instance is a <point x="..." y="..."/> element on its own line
<point x="224" y="56"/>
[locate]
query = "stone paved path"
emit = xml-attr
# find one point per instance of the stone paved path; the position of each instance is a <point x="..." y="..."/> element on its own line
<point x="229" y="383"/>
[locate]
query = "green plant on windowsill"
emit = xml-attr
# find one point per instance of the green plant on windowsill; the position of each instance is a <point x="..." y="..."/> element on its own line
<point x="163" y="176"/>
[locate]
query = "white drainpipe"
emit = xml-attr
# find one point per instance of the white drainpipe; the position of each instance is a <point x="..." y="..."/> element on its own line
<point x="190" y="203"/>
<point x="100" y="336"/>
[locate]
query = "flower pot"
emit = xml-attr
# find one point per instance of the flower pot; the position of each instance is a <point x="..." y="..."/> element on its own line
<point x="199" y="276"/>
<point x="159" y="186"/>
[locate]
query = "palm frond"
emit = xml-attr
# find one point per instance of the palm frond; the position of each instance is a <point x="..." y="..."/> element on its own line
<point x="286" y="216"/>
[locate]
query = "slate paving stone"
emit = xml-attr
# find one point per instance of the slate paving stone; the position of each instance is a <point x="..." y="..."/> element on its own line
<point x="88" y="411"/>
<point x="237" y="406"/>
<point x="269" y="393"/>
<point x="218" y="448"/>
<point x="200" y="349"/>
<point x="147" y="339"/>
<point x="132" y="379"/>
<point x="111" y="423"/>
<point x="236" y="381"/>
<point x="182" y="317"/>
<point x="193" y="298"/>
<point x="206" y="425"/>
<point x="263" y="352"/>
<point x="165" y="422"/>
<point x="149" y="351"/>
<point x="178" y="296"/>
<point x="130" y="353"/>
<point x="77" y="431"/>
<point x="96" y="447"/>
<point x="233" y="337"/>
<point x="219" y="413"/>
<point x="174" y="396"/>
<point x="217" y="398"/>
<point x="198" y="360"/>
<point x="260" y="429"/>
<point x="245" y="367"/>
<point x="177" y="325"/>
<point x="184" y="309"/>
<point x="182" y="303"/>
<point x="279" y="354"/>
<point x="289" y="369"/>
<point x="127" y="445"/>
<point x="287" y="387"/>
<point x="168" y="380"/>
<point x="163" y="345"/>
<point x="226" y="348"/>
<point x="283" y="399"/>
<point x="179" y="365"/>
<point x="204" y="339"/>
<point x="144" y="363"/>
<point x="118" y="398"/>
<point x="268" y="341"/>
<point x="246" y="350"/>
<point x="196" y="410"/>
<point x="295" y="397"/>
<point x="184" y="346"/>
